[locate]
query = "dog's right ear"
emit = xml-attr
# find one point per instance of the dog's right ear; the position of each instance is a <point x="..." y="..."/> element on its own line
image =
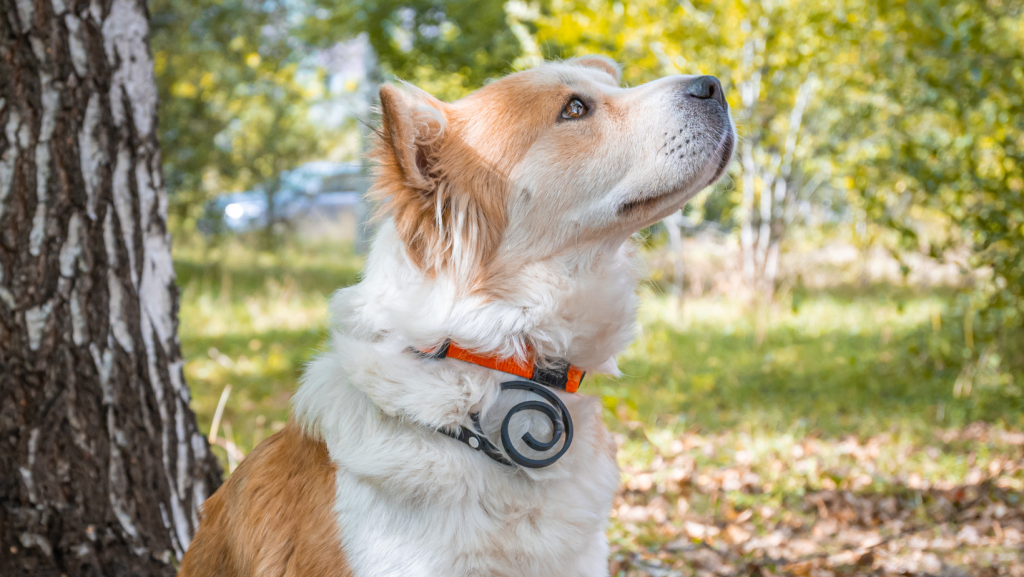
<point x="412" y="123"/>
<point x="602" y="63"/>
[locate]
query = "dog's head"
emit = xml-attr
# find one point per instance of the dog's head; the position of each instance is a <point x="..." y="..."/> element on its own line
<point x="554" y="159"/>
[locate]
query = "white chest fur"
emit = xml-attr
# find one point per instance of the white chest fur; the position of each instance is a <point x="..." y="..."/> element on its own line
<point x="412" y="502"/>
<point x="486" y="519"/>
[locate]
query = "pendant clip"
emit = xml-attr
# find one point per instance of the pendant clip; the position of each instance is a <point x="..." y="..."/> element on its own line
<point x="554" y="409"/>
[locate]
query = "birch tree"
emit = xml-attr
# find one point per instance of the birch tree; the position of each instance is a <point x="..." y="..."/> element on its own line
<point x="102" y="465"/>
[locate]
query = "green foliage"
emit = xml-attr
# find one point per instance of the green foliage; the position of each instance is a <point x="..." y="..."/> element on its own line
<point x="916" y="123"/>
<point x="914" y="118"/>
<point x="936" y="133"/>
<point x="447" y="48"/>
<point x="234" y="102"/>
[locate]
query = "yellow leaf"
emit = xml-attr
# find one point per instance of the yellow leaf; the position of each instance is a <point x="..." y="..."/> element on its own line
<point x="183" y="89"/>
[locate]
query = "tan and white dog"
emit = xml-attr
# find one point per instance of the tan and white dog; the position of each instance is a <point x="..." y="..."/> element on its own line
<point x="508" y="216"/>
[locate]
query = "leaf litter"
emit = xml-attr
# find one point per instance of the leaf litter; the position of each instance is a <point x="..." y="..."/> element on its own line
<point x="778" y="504"/>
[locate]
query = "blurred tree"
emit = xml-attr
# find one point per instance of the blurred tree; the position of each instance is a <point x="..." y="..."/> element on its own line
<point x="448" y="48"/>
<point x="935" y="132"/>
<point x="103" y="467"/>
<point x="271" y="132"/>
<point x="235" y="102"/>
<point x="904" y="114"/>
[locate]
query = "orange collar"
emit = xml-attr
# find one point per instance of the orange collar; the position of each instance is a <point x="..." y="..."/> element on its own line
<point x="561" y="375"/>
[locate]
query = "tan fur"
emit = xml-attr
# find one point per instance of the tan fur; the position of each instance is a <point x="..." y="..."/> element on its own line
<point x="601" y="63"/>
<point x="274" y="517"/>
<point x="433" y="183"/>
<point x="442" y="166"/>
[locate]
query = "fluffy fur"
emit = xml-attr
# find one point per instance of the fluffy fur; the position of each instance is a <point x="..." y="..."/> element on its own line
<point x="283" y="490"/>
<point x="506" y="230"/>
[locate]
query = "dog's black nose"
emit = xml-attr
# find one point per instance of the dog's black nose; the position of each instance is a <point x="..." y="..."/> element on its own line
<point x="704" y="88"/>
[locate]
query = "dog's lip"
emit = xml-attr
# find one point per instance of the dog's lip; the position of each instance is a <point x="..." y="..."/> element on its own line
<point x="632" y="205"/>
<point x="725" y="155"/>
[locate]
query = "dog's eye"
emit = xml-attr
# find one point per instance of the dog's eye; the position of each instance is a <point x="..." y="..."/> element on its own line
<point x="574" y="109"/>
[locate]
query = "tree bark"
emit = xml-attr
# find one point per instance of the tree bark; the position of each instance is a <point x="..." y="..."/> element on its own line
<point x="102" y="466"/>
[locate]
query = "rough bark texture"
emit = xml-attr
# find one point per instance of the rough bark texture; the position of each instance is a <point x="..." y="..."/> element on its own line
<point x="102" y="467"/>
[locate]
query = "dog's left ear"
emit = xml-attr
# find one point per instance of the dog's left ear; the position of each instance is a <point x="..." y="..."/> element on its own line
<point x="412" y="123"/>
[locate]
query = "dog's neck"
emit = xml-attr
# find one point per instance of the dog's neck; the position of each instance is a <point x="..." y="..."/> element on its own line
<point x="579" y="307"/>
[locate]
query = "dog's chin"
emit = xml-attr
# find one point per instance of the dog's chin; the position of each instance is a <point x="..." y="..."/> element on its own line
<point x="724" y="156"/>
<point x="650" y="209"/>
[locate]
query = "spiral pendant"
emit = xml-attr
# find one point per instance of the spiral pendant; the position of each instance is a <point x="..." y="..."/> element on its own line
<point x="553" y="409"/>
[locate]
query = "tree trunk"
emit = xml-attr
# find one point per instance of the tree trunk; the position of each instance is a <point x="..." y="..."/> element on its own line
<point x="102" y="466"/>
<point x="673" y="223"/>
<point x="750" y="93"/>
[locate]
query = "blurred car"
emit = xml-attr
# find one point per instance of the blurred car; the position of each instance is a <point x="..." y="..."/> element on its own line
<point x="309" y="197"/>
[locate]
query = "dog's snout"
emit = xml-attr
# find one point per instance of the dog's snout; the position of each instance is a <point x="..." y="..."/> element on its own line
<point x="705" y="88"/>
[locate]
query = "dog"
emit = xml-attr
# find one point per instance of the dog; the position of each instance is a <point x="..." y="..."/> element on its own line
<point x="438" y="435"/>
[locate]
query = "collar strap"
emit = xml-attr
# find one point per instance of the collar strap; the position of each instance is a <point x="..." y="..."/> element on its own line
<point x="477" y="441"/>
<point x="560" y="375"/>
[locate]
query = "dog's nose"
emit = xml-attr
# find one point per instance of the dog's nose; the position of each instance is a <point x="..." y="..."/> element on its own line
<point x="704" y="88"/>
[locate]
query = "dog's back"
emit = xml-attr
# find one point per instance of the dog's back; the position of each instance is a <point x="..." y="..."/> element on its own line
<point x="274" y="516"/>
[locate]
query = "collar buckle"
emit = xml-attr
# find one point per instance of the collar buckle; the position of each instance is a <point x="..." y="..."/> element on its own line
<point x="477" y="441"/>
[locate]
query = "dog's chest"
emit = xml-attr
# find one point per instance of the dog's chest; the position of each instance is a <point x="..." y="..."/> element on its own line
<point x="512" y="529"/>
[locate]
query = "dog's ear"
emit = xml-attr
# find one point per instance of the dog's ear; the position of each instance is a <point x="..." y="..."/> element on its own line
<point x="602" y="63"/>
<point x="448" y="206"/>
<point x="408" y="184"/>
<point x="412" y="123"/>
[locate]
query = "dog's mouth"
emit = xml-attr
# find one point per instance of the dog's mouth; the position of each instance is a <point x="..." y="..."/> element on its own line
<point x="635" y="205"/>
<point x="725" y="155"/>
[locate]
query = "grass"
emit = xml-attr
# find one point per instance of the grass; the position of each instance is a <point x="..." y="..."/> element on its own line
<point x="837" y="365"/>
<point x="251" y="319"/>
<point x="884" y="358"/>
<point x="727" y="438"/>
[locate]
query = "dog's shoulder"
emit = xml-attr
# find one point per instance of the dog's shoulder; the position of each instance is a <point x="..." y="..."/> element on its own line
<point x="274" y="516"/>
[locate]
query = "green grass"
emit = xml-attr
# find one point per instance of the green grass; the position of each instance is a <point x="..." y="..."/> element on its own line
<point x="251" y="319"/>
<point x="838" y="365"/>
<point x="844" y="362"/>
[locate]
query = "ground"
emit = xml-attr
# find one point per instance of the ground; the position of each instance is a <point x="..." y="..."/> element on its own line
<point x="848" y="431"/>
